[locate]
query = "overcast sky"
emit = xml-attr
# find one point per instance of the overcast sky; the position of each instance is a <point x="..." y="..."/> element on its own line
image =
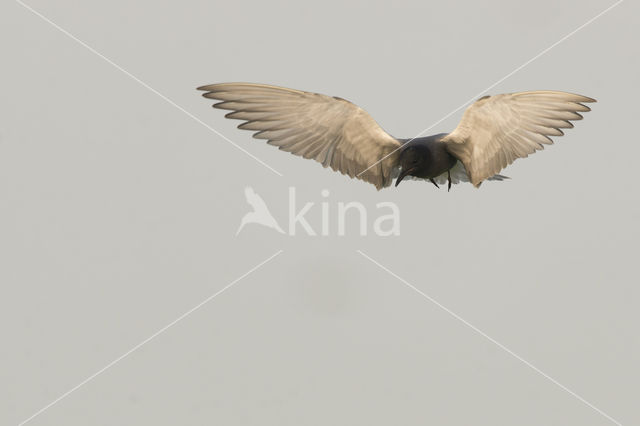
<point x="119" y="213"/>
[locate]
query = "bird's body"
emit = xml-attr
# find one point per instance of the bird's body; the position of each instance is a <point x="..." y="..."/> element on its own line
<point x="494" y="131"/>
<point x="432" y="148"/>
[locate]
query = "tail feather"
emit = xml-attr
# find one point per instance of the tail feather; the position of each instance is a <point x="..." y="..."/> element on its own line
<point x="499" y="177"/>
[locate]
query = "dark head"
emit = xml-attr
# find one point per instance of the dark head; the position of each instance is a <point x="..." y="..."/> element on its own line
<point x="413" y="161"/>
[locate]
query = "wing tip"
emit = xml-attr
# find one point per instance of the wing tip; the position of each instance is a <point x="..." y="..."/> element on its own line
<point x="206" y="87"/>
<point x="583" y="98"/>
<point x="217" y="86"/>
<point x="587" y="99"/>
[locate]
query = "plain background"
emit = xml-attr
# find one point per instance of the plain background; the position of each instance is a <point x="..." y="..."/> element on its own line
<point x="118" y="214"/>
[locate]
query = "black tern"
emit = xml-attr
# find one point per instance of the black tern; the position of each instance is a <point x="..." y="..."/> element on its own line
<point x="494" y="132"/>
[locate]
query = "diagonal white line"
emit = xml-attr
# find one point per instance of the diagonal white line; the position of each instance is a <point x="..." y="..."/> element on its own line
<point x="148" y="339"/>
<point x="474" y="97"/>
<point x="142" y="83"/>
<point x="491" y="339"/>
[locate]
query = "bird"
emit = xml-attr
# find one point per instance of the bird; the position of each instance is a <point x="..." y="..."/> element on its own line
<point x="494" y="131"/>
<point x="260" y="214"/>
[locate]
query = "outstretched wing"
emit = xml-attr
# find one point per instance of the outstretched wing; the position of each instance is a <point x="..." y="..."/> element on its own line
<point x="497" y="130"/>
<point x="330" y="130"/>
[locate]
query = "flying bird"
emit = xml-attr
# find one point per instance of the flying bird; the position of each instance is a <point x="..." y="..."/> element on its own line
<point x="494" y="131"/>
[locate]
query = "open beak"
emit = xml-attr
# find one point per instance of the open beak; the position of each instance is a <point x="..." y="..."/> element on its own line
<point x="403" y="174"/>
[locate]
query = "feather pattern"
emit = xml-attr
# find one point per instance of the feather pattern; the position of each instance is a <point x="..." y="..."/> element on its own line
<point x="330" y="130"/>
<point x="497" y="130"/>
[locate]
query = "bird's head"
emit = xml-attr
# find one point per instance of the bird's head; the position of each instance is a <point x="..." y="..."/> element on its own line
<point x="413" y="161"/>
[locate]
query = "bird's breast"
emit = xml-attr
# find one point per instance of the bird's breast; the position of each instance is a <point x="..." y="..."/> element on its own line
<point x="440" y="161"/>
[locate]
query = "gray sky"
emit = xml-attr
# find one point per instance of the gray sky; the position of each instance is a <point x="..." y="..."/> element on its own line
<point x="120" y="211"/>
